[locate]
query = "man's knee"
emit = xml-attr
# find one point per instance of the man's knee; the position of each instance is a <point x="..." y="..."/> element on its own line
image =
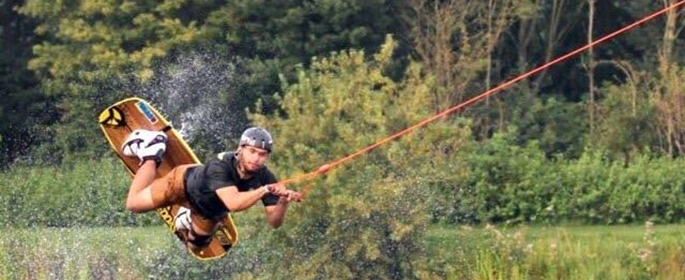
<point x="134" y="207"/>
<point x="140" y="202"/>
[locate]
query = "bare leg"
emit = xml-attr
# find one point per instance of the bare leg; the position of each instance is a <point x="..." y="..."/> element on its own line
<point x="139" y="194"/>
<point x="191" y="236"/>
<point x="202" y="229"/>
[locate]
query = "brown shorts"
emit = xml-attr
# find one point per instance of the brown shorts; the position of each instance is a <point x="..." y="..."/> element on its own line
<point x="170" y="190"/>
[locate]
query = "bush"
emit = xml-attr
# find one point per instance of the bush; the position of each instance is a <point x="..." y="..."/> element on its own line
<point x="506" y="183"/>
<point x="86" y="193"/>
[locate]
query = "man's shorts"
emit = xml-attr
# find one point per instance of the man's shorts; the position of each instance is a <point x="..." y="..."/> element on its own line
<point x="170" y="190"/>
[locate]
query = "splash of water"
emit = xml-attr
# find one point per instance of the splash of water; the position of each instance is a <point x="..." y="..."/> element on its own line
<point x="194" y="92"/>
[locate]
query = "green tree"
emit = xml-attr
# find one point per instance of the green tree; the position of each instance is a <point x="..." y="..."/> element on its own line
<point x="627" y="120"/>
<point x="24" y="110"/>
<point x="275" y="36"/>
<point x="456" y="40"/>
<point x="366" y="218"/>
<point x="91" y="47"/>
<point x="95" y="52"/>
<point x="643" y="111"/>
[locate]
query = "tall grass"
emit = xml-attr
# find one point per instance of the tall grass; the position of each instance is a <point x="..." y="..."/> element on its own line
<point x="577" y="252"/>
<point x="80" y="253"/>
<point x="84" y="193"/>
<point x="580" y="252"/>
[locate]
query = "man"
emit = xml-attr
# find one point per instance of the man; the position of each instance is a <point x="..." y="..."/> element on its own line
<point x="230" y="182"/>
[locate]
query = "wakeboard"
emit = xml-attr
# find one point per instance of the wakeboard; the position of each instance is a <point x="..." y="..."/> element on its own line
<point x="125" y="116"/>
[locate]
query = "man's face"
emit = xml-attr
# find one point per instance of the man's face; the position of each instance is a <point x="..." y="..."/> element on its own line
<point x="252" y="158"/>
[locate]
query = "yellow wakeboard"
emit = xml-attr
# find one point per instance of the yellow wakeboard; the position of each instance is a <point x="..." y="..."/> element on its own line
<point x="119" y="120"/>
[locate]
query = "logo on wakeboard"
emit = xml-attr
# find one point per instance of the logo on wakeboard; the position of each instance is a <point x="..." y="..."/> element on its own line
<point x="112" y="117"/>
<point x="147" y="112"/>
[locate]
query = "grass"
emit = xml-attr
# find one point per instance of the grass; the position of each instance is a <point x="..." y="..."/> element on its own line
<point x="575" y="252"/>
<point x="453" y="252"/>
<point x="79" y="253"/>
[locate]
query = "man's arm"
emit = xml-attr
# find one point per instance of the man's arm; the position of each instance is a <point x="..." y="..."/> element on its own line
<point x="237" y="201"/>
<point x="275" y="214"/>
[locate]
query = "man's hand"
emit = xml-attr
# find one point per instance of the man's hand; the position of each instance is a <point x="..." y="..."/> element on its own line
<point x="293" y="196"/>
<point x="277" y="189"/>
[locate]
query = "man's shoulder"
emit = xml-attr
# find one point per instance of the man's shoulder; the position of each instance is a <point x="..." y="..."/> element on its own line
<point x="223" y="158"/>
<point x="220" y="162"/>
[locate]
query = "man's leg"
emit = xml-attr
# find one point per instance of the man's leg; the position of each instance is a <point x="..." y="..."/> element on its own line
<point x="149" y="147"/>
<point x="197" y="229"/>
<point x="139" y="195"/>
<point x="200" y="233"/>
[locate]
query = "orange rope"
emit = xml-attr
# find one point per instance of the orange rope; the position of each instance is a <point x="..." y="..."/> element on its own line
<point x="327" y="167"/>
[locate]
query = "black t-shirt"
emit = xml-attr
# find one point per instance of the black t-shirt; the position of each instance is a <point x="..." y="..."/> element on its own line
<point x="220" y="172"/>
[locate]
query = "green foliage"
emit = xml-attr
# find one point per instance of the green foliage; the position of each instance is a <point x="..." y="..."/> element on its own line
<point x="634" y="252"/>
<point x="24" y="110"/>
<point x="92" y="53"/>
<point x="276" y="36"/>
<point x="81" y="253"/>
<point x="89" y="193"/>
<point x="378" y="198"/>
<point x="606" y="252"/>
<point x="608" y="191"/>
<point x="87" y="54"/>
<point x="544" y="122"/>
<point x="90" y="47"/>
<point x="507" y="183"/>
<point x="297" y="30"/>
<point x="395" y="191"/>
<point x="629" y="122"/>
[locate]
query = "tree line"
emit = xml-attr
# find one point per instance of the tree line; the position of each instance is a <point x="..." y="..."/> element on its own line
<point x="64" y="62"/>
